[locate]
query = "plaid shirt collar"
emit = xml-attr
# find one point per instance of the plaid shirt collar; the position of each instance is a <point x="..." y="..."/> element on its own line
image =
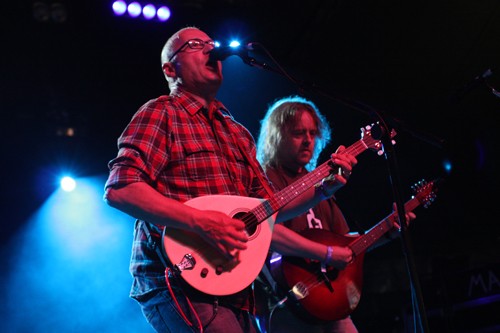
<point x="193" y="106"/>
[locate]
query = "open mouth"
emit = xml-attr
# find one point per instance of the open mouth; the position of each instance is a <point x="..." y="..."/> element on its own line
<point x="211" y="62"/>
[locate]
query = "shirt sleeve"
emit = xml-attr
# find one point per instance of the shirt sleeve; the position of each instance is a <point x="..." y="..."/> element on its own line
<point x="143" y="151"/>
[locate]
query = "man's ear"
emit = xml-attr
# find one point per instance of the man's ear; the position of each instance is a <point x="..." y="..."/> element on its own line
<point x="169" y="69"/>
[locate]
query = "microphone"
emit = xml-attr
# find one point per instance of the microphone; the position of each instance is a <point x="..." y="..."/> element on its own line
<point x="222" y="52"/>
<point x="473" y="84"/>
<point x="478" y="79"/>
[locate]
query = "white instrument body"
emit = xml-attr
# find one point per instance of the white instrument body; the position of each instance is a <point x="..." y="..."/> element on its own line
<point x="177" y="243"/>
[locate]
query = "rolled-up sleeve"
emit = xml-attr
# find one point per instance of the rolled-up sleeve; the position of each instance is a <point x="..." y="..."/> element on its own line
<point x="143" y="148"/>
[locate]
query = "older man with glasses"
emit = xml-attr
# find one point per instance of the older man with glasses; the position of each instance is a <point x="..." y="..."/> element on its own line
<point x="182" y="147"/>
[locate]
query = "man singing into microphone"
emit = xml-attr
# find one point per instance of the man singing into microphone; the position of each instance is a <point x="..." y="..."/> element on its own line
<point x="178" y="147"/>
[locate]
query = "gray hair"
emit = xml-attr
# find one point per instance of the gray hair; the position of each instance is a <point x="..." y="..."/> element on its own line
<point x="168" y="48"/>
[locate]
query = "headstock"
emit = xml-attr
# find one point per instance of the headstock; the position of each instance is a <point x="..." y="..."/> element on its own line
<point x="371" y="134"/>
<point x="425" y="192"/>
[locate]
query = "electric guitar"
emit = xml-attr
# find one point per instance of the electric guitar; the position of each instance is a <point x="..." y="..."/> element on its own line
<point x="332" y="295"/>
<point x="204" y="268"/>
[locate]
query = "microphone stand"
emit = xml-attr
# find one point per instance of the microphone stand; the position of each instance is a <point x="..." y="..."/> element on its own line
<point x="419" y="312"/>
<point x="420" y="317"/>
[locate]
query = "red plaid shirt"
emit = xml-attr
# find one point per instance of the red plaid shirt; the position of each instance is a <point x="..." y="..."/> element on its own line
<point x="172" y="145"/>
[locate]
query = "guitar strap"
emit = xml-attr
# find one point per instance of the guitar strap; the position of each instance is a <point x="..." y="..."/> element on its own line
<point x="256" y="170"/>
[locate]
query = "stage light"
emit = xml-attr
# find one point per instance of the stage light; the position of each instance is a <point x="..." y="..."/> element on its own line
<point x="56" y="12"/>
<point x="163" y="13"/>
<point x="68" y="184"/>
<point x="234" y="44"/>
<point x="134" y="9"/>
<point x="41" y="11"/>
<point x="72" y="252"/>
<point x="447" y="166"/>
<point x="59" y="13"/>
<point x="119" y="7"/>
<point x="149" y="11"/>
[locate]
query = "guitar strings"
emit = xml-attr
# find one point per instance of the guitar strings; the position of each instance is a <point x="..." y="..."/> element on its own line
<point x="252" y="219"/>
<point x="259" y="214"/>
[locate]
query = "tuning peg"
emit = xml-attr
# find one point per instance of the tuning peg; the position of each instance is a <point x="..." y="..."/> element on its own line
<point x="365" y="130"/>
<point x="429" y="200"/>
<point x="418" y="185"/>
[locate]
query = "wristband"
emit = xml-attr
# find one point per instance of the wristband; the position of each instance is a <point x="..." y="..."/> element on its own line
<point x="328" y="257"/>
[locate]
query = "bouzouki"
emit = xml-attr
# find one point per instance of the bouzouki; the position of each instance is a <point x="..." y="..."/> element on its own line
<point x="204" y="268"/>
<point x="334" y="294"/>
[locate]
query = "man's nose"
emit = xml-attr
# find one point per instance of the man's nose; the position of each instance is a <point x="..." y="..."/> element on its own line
<point x="308" y="138"/>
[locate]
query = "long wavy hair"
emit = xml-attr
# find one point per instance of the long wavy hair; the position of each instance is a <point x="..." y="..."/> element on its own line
<point x="281" y="116"/>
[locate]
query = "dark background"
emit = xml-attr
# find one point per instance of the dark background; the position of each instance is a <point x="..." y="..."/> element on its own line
<point x="415" y="63"/>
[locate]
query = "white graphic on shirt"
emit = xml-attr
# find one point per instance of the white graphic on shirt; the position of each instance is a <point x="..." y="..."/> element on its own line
<point x="312" y="221"/>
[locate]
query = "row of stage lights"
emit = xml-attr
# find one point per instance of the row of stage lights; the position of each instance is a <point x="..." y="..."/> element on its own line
<point x="135" y="10"/>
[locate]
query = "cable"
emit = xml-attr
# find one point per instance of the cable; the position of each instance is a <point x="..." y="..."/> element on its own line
<point x="179" y="308"/>
<point x="278" y="305"/>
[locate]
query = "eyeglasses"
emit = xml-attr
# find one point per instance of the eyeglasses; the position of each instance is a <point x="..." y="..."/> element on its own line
<point x="195" y="44"/>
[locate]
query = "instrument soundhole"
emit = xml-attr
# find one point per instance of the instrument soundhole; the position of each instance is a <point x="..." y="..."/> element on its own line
<point x="250" y="221"/>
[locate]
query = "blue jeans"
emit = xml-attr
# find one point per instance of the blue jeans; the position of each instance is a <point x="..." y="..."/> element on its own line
<point x="163" y="315"/>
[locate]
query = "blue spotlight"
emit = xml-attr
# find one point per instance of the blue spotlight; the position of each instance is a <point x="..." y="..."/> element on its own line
<point x="447" y="166"/>
<point x="149" y="11"/>
<point x="68" y="184"/>
<point x="119" y="7"/>
<point x="72" y="252"/>
<point x="163" y="13"/>
<point x="234" y="44"/>
<point x="134" y="9"/>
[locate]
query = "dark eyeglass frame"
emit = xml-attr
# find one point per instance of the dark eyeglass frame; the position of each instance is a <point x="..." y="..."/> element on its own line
<point x="194" y="44"/>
